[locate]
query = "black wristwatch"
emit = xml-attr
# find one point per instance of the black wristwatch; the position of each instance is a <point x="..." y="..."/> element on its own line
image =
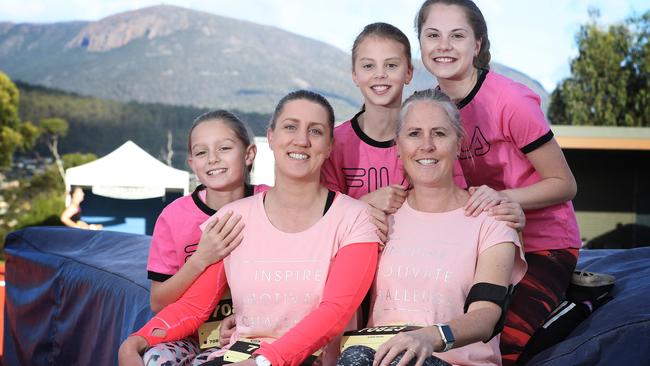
<point x="447" y="336"/>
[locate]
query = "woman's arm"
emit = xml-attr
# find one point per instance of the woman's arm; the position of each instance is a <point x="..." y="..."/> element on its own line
<point x="495" y="265"/>
<point x="66" y="216"/>
<point x="219" y="238"/>
<point x="183" y="317"/>
<point x="348" y="281"/>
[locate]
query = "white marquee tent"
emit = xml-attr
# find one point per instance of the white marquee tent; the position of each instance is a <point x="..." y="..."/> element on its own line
<point x="128" y="173"/>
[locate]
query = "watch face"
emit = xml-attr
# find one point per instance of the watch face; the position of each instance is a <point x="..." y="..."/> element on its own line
<point x="449" y="336"/>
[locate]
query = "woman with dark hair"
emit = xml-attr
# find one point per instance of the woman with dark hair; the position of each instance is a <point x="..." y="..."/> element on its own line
<point x="307" y="257"/>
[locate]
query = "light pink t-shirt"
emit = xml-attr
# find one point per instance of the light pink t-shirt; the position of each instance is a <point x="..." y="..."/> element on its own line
<point x="176" y="233"/>
<point x="503" y="121"/>
<point x="427" y="269"/>
<point x="277" y="278"/>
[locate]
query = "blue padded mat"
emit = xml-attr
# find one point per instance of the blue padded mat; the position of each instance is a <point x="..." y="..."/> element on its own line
<point x="618" y="333"/>
<point x="73" y="295"/>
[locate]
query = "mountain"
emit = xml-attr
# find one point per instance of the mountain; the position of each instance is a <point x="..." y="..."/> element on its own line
<point x="171" y="55"/>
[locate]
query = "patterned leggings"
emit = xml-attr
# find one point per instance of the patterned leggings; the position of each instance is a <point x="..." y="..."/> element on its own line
<point x="363" y="356"/>
<point x="538" y="293"/>
<point x="185" y="352"/>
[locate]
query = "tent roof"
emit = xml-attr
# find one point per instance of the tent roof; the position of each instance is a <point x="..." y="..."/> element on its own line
<point x="128" y="173"/>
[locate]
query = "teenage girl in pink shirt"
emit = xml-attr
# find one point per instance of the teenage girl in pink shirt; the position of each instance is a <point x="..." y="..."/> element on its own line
<point x="509" y="154"/>
<point x="364" y="162"/>
<point x="221" y="154"/>
<point x="307" y="257"/>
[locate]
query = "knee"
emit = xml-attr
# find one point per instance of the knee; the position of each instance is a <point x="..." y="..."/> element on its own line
<point x="356" y="356"/>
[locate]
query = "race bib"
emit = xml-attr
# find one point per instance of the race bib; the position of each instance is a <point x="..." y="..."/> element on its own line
<point x="209" y="331"/>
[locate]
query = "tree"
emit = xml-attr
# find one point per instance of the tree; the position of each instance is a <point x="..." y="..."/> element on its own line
<point x="14" y="134"/>
<point x="609" y="79"/>
<point x="52" y="129"/>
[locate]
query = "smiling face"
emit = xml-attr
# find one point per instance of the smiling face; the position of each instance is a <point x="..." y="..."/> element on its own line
<point x="381" y="69"/>
<point x="428" y="144"/>
<point x="218" y="157"/>
<point x="447" y="43"/>
<point x="301" y="140"/>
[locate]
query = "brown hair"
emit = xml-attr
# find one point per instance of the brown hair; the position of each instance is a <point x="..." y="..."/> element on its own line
<point x="309" y="96"/>
<point x="382" y="30"/>
<point x="475" y="19"/>
<point x="240" y="129"/>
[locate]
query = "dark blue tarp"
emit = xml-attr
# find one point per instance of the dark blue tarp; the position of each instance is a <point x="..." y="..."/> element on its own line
<point x="73" y="295"/>
<point x="619" y="332"/>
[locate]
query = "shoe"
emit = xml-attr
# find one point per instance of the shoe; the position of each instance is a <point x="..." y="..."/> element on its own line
<point x="591" y="288"/>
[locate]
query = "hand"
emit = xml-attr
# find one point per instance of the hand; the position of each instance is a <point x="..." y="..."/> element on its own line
<point x="387" y="199"/>
<point x="511" y="212"/>
<point x="481" y="199"/>
<point x="380" y="220"/>
<point x="82" y="224"/>
<point x="227" y="328"/>
<point x="131" y="351"/>
<point x="219" y="238"/>
<point x="416" y="344"/>
<point x="95" y="226"/>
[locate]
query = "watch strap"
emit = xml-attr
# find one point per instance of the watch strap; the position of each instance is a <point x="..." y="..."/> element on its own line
<point x="447" y="336"/>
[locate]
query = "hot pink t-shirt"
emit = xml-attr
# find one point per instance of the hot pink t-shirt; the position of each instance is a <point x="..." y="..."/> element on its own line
<point x="358" y="164"/>
<point x="504" y="122"/>
<point x="276" y="279"/>
<point x="176" y="233"/>
<point x="424" y="279"/>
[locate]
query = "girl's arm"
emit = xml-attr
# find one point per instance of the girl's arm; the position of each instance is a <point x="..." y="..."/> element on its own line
<point x="348" y="281"/>
<point x="388" y="199"/>
<point x="557" y="184"/>
<point x="495" y="265"/>
<point x="219" y="238"/>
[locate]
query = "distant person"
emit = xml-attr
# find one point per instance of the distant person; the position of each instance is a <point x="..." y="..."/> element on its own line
<point x="221" y="155"/>
<point x="442" y="270"/>
<point x="307" y="258"/>
<point x="71" y="216"/>
<point x="509" y="154"/>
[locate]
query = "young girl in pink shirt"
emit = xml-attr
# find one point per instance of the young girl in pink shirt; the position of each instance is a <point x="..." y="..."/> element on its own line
<point x="307" y="257"/>
<point x="364" y="163"/>
<point x="221" y="154"/>
<point x="509" y="154"/>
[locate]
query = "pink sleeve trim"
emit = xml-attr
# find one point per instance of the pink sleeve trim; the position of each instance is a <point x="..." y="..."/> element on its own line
<point x="186" y="315"/>
<point x="348" y="281"/>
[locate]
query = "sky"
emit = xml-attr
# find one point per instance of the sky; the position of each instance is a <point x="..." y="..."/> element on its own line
<point x="532" y="36"/>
